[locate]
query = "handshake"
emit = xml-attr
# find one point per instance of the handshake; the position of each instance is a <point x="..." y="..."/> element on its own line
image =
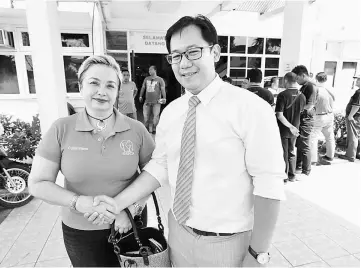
<point x="101" y="210"/>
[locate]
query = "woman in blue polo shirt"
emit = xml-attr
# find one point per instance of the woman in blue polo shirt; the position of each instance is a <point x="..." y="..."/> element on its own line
<point x="98" y="151"/>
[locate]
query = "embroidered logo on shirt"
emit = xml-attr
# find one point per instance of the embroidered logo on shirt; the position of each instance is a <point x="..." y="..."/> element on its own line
<point x="127" y="147"/>
<point x="75" y="148"/>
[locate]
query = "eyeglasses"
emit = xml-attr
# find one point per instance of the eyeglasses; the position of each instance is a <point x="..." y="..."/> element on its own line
<point x="193" y="53"/>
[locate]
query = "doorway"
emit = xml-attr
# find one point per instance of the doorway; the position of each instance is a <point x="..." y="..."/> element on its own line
<point x="142" y="62"/>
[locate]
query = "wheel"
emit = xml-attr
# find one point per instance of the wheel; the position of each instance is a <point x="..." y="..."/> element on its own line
<point x="16" y="193"/>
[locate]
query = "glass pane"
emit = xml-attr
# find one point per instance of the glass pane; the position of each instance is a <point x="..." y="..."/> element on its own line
<point x="273" y="46"/>
<point x="330" y="70"/>
<point x="8" y="77"/>
<point x="238" y="44"/>
<point x="238" y="62"/>
<point x="116" y="40"/>
<point x="121" y="59"/>
<point x="30" y="72"/>
<point x="270" y="73"/>
<point x="221" y="66"/>
<point x="71" y="66"/>
<point x="26" y="40"/>
<point x="74" y="40"/>
<point x="238" y="74"/>
<point x="254" y="62"/>
<point x="223" y="43"/>
<point x="272" y="63"/>
<point x="255" y="45"/>
<point x="333" y="49"/>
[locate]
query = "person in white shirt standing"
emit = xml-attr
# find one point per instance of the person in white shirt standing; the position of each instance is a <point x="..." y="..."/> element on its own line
<point x="127" y="92"/>
<point x="324" y="121"/>
<point x="225" y="170"/>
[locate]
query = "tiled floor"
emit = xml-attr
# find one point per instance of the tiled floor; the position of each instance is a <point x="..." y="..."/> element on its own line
<point x="318" y="225"/>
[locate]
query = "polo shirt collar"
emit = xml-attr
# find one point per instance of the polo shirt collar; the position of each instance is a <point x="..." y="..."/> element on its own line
<point x="207" y="94"/>
<point x="83" y="123"/>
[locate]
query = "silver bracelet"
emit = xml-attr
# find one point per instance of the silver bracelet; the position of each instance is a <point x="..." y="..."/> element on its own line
<point x="73" y="202"/>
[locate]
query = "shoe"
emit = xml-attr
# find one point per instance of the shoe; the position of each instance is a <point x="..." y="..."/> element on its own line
<point x="301" y="177"/>
<point x="285" y="181"/>
<point x="154" y="131"/>
<point x="327" y="158"/>
<point x="345" y="157"/>
<point x="323" y="162"/>
<point x="358" y="156"/>
<point x="292" y="179"/>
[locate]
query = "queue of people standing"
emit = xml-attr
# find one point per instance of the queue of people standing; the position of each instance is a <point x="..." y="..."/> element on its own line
<point x="226" y="179"/>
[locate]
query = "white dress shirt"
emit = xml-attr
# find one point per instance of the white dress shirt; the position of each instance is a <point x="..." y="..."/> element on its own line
<point x="238" y="152"/>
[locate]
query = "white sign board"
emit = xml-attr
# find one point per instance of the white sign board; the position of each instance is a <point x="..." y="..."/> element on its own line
<point x="147" y="42"/>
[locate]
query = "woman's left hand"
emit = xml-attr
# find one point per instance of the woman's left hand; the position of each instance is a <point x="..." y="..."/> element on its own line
<point x="122" y="223"/>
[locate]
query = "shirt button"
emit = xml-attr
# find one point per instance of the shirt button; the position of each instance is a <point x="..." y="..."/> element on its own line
<point x="103" y="147"/>
<point x="100" y="139"/>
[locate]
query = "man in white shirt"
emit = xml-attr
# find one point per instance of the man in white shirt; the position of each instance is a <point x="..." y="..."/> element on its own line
<point x="233" y="170"/>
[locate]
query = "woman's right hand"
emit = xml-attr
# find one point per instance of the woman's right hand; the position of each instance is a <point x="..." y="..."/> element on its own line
<point x="122" y="222"/>
<point x="84" y="205"/>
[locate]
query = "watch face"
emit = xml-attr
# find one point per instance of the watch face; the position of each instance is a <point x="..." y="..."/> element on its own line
<point x="263" y="258"/>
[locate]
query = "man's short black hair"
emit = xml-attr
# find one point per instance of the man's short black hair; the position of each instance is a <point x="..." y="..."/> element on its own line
<point x="300" y="70"/>
<point x="273" y="79"/>
<point x="255" y="75"/>
<point x="321" y="77"/>
<point x="125" y="70"/>
<point x="290" y="77"/>
<point x="154" y="67"/>
<point x="209" y="32"/>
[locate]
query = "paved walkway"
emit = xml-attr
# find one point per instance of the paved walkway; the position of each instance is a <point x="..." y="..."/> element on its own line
<point x="318" y="225"/>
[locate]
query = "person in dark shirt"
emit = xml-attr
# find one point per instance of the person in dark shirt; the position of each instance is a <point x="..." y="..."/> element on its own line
<point x="255" y="79"/>
<point x="310" y="90"/>
<point x="353" y="126"/>
<point x="71" y="109"/>
<point x="289" y="105"/>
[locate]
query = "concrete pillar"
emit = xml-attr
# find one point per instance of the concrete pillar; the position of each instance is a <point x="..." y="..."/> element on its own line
<point x="44" y="33"/>
<point x="297" y="38"/>
<point x="98" y="29"/>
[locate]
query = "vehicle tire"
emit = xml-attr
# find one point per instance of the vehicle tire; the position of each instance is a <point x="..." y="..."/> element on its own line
<point x="18" y="195"/>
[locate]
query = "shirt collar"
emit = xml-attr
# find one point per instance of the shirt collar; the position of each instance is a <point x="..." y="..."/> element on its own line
<point x="83" y="123"/>
<point x="207" y="94"/>
<point x="252" y="84"/>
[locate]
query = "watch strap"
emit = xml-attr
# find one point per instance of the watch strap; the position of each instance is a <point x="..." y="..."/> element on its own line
<point x="252" y="252"/>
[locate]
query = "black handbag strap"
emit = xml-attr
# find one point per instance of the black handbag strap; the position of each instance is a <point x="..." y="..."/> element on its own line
<point x="113" y="233"/>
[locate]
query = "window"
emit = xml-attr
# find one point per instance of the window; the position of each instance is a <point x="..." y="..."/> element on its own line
<point x="30" y="73"/>
<point x="270" y="73"/>
<point x="330" y="69"/>
<point x="255" y="45"/>
<point x="238" y="62"/>
<point x="221" y="66"/>
<point x="223" y="43"/>
<point x="25" y="38"/>
<point x="273" y="46"/>
<point x="71" y="66"/>
<point x="238" y="74"/>
<point x="254" y="62"/>
<point x="271" y="67"/>
<point x="121" y="59"/>
<point x="238" y="44"/>
<point x="8" y="76"/>
<point x="116" y="40"/>
<point x="74" y="40"/>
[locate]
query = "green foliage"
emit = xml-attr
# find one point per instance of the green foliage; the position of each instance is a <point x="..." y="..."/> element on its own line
<point x="20" y="138"/>
<point x="340" y="129"/>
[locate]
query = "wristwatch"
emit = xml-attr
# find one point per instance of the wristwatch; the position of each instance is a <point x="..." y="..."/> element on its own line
<point x="261" y="258"/>
<point x="73" y="202"/>
<point x="138" y="209"/>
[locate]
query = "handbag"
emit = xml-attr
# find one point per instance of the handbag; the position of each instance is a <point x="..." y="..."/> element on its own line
<point x="142" y="247"/>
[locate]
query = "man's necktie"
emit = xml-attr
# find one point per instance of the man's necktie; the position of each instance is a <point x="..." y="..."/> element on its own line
<point x="183" y="191"/>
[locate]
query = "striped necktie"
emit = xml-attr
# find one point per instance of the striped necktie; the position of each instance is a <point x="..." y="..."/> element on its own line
<point x="183" y="191"/>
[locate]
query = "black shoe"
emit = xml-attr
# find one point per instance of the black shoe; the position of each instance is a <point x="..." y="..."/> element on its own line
<point x="345" y="157"/>
<point x="154" y="132"/>
<point x="292" y="179"/>
<point x="323" y="162"/>
<point x="358" y="156"/>
<point x="327" y="158"/>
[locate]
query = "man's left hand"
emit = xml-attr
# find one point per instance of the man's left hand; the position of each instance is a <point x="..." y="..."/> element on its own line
<point x="250" y="261"/>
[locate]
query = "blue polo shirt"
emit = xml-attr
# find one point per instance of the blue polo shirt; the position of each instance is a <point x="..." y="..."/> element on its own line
<point x="93" y="165"/>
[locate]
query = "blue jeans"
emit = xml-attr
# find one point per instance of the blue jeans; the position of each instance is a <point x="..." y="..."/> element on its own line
<point x="149" y="108"/>
<point x="289" y="156"/>
<point x="303" y="143"/>
<point x="353" y="136"/>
